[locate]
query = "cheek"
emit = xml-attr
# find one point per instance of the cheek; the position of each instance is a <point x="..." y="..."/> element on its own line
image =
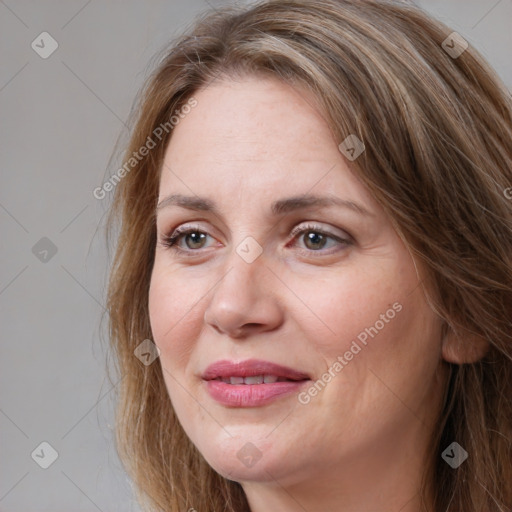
<point x="175" y="316"/>
<point x="347" y="304"/>
<point x="375" y="315"/>
<point x="176" y="319"/>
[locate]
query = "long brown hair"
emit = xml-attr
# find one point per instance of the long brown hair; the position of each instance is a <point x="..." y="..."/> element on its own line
<point x="437" y="129"/>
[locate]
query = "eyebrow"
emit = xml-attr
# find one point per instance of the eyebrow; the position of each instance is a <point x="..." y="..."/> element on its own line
<point x="277" y="208"/>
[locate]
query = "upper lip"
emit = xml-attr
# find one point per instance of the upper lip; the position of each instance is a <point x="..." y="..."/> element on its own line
<point x="250" y="368"/>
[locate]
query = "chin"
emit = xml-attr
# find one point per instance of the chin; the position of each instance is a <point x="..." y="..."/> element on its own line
<point x="232" y="469"/>
<point x="239" y="459"/>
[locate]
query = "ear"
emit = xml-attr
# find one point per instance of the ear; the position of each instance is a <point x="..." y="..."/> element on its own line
<point x="465" y="348"/>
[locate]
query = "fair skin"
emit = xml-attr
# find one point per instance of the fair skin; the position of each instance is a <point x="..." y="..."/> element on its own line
<point x="360" y="444"/>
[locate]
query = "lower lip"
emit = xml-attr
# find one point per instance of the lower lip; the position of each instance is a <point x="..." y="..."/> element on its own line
<point x="251" y="395"/>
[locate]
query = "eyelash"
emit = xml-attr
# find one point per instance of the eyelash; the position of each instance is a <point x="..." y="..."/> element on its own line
<point x="170" y="241"/>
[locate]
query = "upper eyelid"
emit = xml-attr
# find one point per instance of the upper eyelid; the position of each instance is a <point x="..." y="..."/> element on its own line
<point x="312" y="226"/>
<point x="184" y="229"/>
<point x="297" y="227"/>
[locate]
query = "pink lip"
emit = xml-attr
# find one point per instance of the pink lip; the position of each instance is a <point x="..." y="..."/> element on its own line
<point x="250" y="395"/>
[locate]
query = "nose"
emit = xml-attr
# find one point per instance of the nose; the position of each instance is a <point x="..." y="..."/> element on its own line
<point x="246" y="299"/>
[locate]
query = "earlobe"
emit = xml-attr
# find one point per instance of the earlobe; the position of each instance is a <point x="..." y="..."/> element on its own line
<point x="466" y="348"/>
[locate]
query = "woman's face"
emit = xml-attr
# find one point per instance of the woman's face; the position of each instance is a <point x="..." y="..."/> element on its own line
<point x="325" y="289"/>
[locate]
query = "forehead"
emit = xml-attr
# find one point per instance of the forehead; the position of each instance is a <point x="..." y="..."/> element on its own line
<point x="250" y="118"/>
<point x="258" y="137"/>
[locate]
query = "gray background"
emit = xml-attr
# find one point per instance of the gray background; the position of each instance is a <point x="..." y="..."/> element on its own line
<point x="61" y="117"/>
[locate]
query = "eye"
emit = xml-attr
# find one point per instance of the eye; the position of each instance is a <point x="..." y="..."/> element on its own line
<point x="194" y="238"/>
<point x="315" y="239"/>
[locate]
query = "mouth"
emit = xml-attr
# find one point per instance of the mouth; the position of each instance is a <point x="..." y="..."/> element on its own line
<point x="255" y="379"/>
<point x="251" y="371"/>
<point x="251" y="383"/>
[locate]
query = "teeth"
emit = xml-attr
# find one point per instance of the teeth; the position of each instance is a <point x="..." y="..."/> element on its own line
<point x="256" y="379"/>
